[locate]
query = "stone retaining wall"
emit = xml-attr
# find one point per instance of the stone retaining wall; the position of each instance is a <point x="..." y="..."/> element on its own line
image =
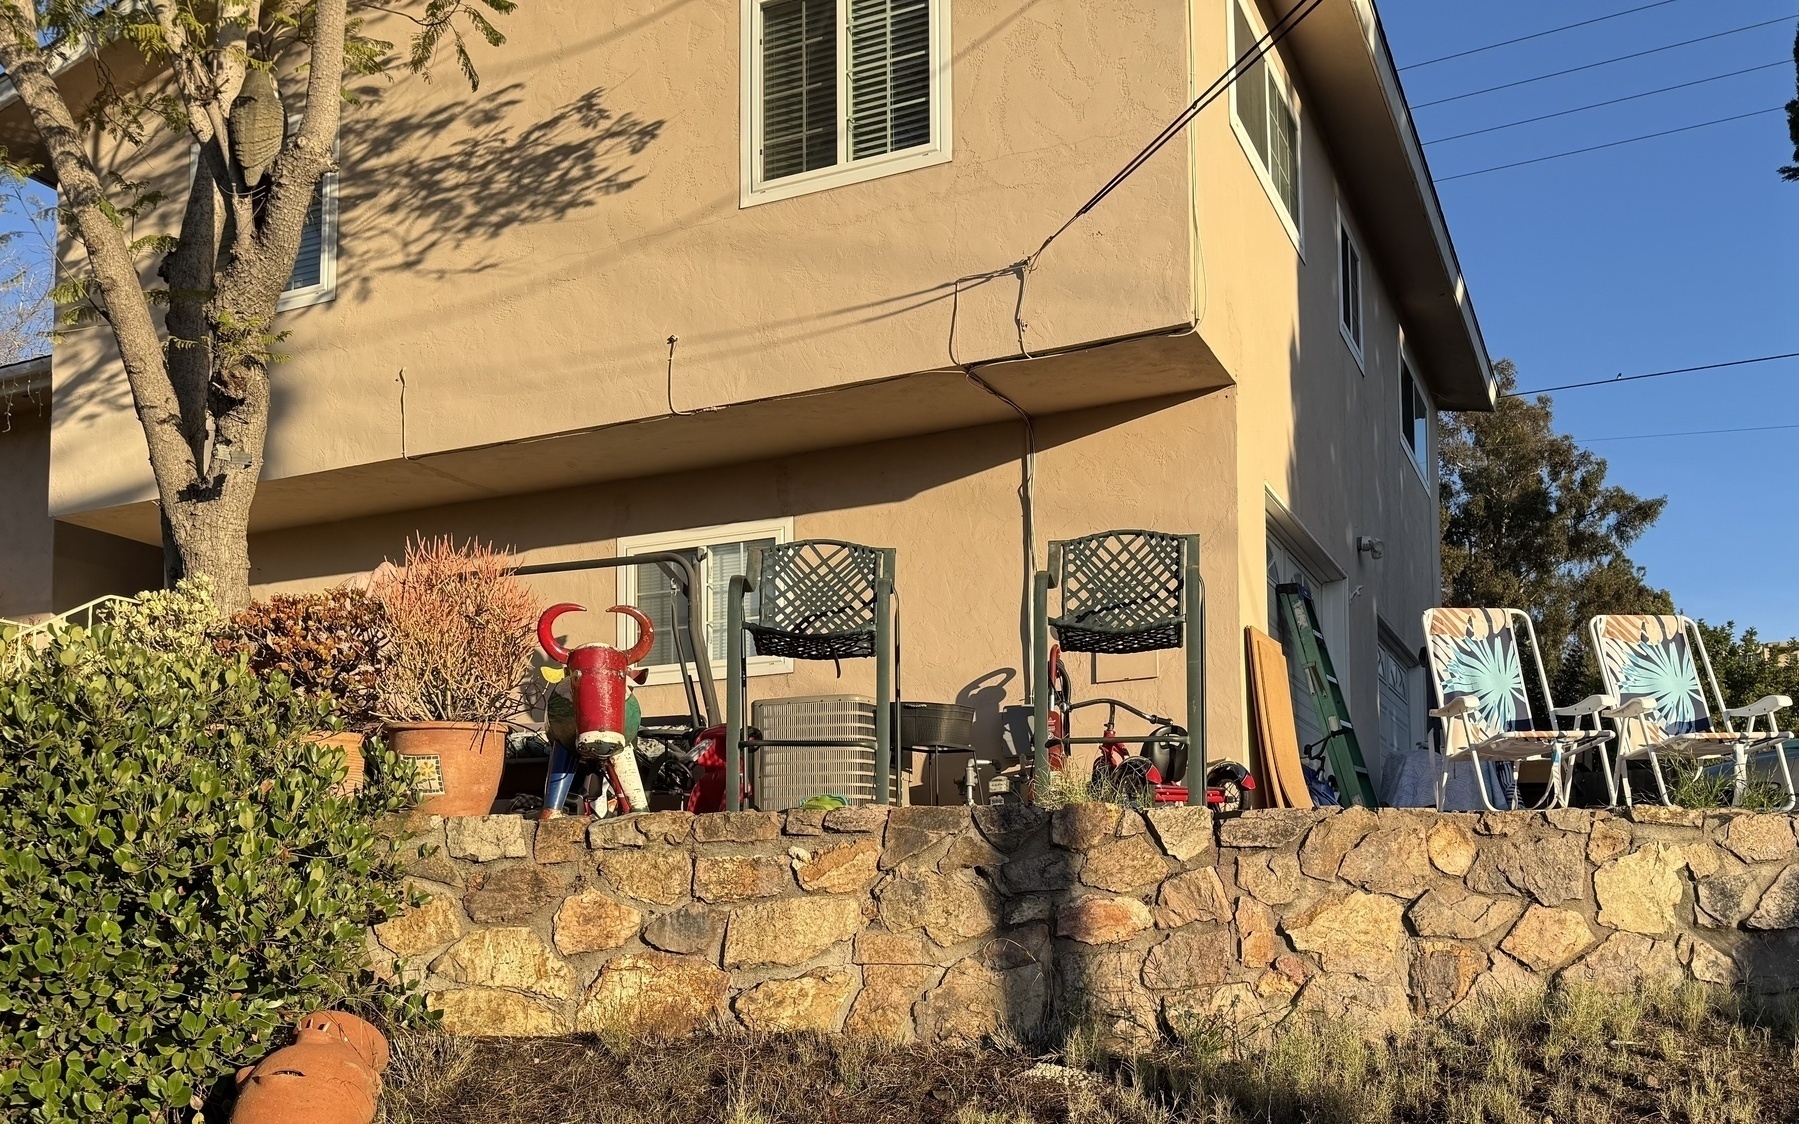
<point x="957" y="923"/>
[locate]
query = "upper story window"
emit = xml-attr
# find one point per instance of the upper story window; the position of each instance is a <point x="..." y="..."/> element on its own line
<point x="314" y="279"/>
<point x="839" y="91"/>
<point x="1262" y="111"/>
<point x="1415" y="421"/>
<point x="721" y="553"/>
<point x="1349" y="288"/>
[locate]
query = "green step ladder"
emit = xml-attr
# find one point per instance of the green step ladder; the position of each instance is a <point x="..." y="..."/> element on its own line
<point x="1340" y="746"/>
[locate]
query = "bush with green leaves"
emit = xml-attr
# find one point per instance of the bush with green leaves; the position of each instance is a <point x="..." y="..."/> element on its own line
<point x="178" y="878"/>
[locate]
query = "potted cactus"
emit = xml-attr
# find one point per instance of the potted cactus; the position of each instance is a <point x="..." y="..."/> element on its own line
<point x="459" y="640"/>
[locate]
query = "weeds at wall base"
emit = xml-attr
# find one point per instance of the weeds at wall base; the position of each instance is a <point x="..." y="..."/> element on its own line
<point x="1693" y="1055"/>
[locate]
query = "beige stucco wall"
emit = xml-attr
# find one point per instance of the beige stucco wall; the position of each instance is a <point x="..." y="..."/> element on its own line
<point x="523" y="255"/>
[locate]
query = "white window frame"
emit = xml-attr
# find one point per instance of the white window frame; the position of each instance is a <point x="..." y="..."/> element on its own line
<point x="754" y="190"/>
<point x="781" y="530"/>
<point x="326" y="289"/>
<point x="1292" y="222"/>
<point x="1408" y="369"/>
<point x="1346" y="240"/>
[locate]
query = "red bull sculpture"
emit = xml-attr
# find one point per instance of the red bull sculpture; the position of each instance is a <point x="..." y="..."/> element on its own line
<point x="597" y="686"/>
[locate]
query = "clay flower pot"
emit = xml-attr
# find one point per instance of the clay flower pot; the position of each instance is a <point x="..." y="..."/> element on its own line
<point x="330" y="1075"/>
<point x="459" y="763"/>
<point x="351" y="744"/>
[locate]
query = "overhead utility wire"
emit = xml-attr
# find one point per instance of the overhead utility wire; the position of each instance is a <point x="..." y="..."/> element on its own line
<point x="1611" y="144"/>
<point x="1654" y="374"/>
<point x="1613" y="101"/>
<point x="1534" y="35"/>
<point x="1212" y="93"/>
<point x="1602" y="62"/>
<point x="1687" y="433"/>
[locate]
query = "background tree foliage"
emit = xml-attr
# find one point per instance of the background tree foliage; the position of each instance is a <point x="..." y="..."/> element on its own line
<point x="1791" y="171"/>
<point x="197" y="340"/>
<point x="1530" y="522"/>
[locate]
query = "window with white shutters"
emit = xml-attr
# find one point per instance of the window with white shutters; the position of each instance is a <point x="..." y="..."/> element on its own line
<point x="1263" y="113"/>
<point x="721" y="553"/>
<point x="838" y="91"/>
<point x="314" y="279"/>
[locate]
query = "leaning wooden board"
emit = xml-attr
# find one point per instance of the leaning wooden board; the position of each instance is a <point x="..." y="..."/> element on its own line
<point x="1282" y="779"/>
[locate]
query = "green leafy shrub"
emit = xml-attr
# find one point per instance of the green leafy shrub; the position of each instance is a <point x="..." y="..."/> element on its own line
<point x="178" y="880"/>
<point x="328" y="644"/>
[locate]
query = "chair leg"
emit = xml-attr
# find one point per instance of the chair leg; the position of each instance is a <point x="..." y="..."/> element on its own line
<point x="1786" y="776"/>
<point x="1742" y="776"/>
<point x="1443" y="782"/>
<point x="1611" y="782"/>
<point x="1480" y="780"/>
<point x="1661" y="785"/>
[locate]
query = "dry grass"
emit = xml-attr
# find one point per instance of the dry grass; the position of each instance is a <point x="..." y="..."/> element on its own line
<point x="1691" y="1056"/>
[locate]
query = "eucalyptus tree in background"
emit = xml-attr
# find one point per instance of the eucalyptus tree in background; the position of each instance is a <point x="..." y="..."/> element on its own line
<point x="201" y="390"/>
<point x="1529" y="522"/>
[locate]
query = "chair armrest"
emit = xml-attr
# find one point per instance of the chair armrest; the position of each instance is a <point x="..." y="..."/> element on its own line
<point x="1631" y="708"/>
<point x="1460" y="705"/>
<point x="1761" y="707"/>
<point x="1589" y="705"/>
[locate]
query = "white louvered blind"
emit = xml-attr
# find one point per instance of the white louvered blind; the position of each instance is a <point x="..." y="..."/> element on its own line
<point x="889" y="76"/>
<point x="309" y="266"/>
<point x="799" y="86"/>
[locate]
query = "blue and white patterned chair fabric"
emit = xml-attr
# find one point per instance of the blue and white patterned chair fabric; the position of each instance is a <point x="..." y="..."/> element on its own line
<point x="1483" y="710"/>
<point x="1664" y="710"/>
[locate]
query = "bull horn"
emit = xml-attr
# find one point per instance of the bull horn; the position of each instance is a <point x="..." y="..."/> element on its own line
<point x="646" y="632"/>
<point x="546" y="629"/>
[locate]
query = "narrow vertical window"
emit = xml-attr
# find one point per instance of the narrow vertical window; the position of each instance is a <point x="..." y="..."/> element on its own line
<point x="1262" y="110"/>
<point x="1415" y="416"/>
<point x="839" y="91"/>
<point x="309" y="266"/>
<point x="1349" y="287"/>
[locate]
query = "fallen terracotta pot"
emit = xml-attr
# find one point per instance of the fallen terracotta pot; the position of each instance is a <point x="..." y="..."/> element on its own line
<point x="330" y="1075"/>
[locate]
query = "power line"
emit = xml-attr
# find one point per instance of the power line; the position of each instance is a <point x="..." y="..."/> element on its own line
<point x="1613" y="101"/>
<point x="1601" y="62"/>
<point x="1687" y="433"/>
<point x="1655" y="374"/>
<point x="1610" y="144"/>
<point x="1257" y="50"/>
<point x="1533" y="35"/>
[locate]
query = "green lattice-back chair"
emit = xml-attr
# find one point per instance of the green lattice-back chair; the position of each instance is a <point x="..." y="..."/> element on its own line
<point x="1120" y="592"/>
<point x="1664" y="711"/>
<point x="816" y="599"/>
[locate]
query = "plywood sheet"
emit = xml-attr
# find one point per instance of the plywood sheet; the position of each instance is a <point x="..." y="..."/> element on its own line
<point x="1282" y="780"/>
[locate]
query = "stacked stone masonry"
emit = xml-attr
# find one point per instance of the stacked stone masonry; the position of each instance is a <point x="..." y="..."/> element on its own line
<point x="960" y="923"/>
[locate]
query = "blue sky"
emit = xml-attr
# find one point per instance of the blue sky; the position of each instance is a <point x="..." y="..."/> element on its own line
<point x="1667" y="253"/>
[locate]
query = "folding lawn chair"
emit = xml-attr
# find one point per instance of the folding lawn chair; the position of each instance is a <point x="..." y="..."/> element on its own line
<point x="1484" y="709"/>
<point x="1648" y="664"/>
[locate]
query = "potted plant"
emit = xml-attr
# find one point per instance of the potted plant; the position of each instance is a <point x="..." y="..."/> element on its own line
<point x="459" y="639"/>
<point x="328" y="644"/>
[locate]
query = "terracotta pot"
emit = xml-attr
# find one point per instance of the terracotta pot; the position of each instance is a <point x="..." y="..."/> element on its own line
<point x="330" y="1075"/>
<point x="351" y="744"/>
<point x="459" y="763"/>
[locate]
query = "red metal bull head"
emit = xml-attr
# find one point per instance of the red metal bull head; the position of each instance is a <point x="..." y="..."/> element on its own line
<point x="596" y="677"/>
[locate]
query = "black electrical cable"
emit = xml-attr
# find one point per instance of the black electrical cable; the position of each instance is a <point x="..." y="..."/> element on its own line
<point x="1655" y="374"/>
<point x="1612" y="101"/>
<point x="1534" y="35"/>
<point x="1611" y="144"/>
<point x="1601" y="62"/>
<point x="1257" y="50"/>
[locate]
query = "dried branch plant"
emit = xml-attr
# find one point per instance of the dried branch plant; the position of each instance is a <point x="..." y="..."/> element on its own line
<point x="460" y="633"/>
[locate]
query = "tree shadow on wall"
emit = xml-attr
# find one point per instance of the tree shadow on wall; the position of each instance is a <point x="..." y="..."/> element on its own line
<point x="419" y="186"/>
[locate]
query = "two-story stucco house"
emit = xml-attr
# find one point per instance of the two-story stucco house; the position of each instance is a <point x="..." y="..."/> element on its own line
<point x="715" y="272"/>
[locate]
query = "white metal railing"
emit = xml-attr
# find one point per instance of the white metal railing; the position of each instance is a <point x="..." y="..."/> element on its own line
<point x="33" y="635"/>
